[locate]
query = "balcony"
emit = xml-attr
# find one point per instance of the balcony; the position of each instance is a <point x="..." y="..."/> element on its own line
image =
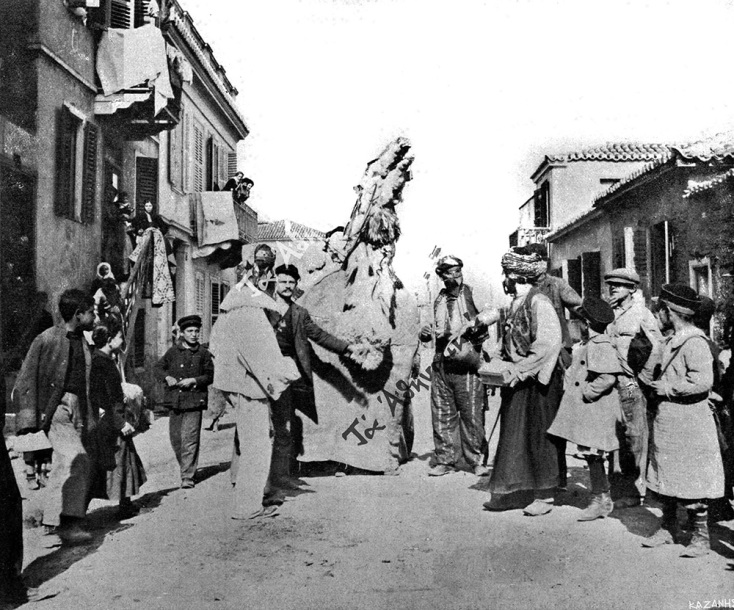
<point x="246" y="222"/>
<point x="529" y="235"/>
<point x="136" y="91"/>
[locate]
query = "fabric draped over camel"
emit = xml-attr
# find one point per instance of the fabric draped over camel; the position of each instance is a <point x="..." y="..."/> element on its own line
<point x="359" y="416"/>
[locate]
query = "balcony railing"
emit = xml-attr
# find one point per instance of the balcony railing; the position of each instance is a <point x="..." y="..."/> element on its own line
<point x="531" y="235"/>
<point x="246" y="222"/>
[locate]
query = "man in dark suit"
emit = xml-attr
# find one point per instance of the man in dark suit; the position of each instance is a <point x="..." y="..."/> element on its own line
<point x="294" y="330"/>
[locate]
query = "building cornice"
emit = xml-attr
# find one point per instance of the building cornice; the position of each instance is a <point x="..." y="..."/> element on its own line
<point x="182" y="25"/>
<point x="43" y="50"/>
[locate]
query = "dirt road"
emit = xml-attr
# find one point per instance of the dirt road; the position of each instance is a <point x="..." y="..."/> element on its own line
<point x="406" y="541"/>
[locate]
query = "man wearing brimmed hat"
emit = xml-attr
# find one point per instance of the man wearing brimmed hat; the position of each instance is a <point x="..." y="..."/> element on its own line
<point x="685" y="461"/>
<point x="636" y="334"/>
<point x="458" y="397"/>
<point x="187" y="369"/>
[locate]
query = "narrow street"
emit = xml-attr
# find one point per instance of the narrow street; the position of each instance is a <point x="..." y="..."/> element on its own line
<point x="406" y="541"/>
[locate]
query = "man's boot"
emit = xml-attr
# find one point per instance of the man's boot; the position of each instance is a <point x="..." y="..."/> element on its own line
<point x="700" y="545"/>
<point x="601" y="505"/>
<point x="668" y="526"/>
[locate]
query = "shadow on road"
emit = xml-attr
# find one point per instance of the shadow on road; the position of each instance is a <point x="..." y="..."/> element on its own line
<point x="100" y="522"/>
<point x="202" y="474"/>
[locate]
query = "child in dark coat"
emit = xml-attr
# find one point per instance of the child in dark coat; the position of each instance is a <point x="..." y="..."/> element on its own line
<point x="118" y="471"/>
<point x="590" y="406"/>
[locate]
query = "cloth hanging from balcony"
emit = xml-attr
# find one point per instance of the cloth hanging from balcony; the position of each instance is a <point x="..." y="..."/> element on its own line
<point x="159" y="277"/>
<point x="130" y="58"/>
<point x="216" y="223"/>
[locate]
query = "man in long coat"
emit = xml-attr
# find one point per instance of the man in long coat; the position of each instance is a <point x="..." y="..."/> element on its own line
<point x="51" y="394"/>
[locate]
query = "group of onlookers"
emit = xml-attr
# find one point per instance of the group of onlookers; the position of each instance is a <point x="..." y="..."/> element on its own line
<point x="635" y="394"/>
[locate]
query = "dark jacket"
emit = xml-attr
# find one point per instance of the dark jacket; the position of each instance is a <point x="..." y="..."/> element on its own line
<point x="304" y="328"/>
<point x="180" y="363"/>
<point x="40" y="383"/>
<point x="141" y="222"/>
<point x="105" y="390"/>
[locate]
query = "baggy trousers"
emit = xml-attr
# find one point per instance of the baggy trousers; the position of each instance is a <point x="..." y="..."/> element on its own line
<point x="184" y="429"/>
<point x="634" y="445"/>
<point x="252" y="419"/>
<point x="282" y="417"/>
<point x="457" y="401"/>
<point x="66" y="492"/>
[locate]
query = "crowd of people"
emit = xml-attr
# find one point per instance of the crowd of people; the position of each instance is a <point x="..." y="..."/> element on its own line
<point x="640" y="394"/>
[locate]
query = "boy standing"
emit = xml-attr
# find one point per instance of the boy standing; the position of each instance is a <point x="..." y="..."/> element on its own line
<point x="187" y="370"/>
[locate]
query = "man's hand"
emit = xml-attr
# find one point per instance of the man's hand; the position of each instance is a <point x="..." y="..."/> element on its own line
<point x="187" y="383"/>
<point x="171" y="381"/>
<point x="127" y="429"/>
<point x="426" y="333"/>
<point x="659" y="387"/>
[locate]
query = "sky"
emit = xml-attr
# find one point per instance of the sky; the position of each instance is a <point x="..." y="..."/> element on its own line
<point x="483" y="90"/>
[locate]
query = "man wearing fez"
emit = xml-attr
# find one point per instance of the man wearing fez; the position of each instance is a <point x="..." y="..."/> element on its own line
<point x="187" y="370"/>
<point x="458" y="397"/>
<point x="293" y="330"/>
<point x="633" y="323"/>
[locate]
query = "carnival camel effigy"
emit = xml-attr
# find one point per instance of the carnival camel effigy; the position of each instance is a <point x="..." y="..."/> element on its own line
<point x="361" y="416"/>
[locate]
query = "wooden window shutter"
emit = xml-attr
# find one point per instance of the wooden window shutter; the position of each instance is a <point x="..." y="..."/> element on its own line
<point x="89" y="177"/>
<point x="65" y="163"/>
<point x="222" y="167"/>
<point x="591" y="269"/>
<point x="200" y="294"/>
<point x="618" y="255"/>
<point x="141" y="11"/>
<point x="198" y="159"/>
<point x="186" y="148"/>
<point x="120" y="14"/>
<point x="146" y="183"/>
<point x="231" y="165"/>
<point x="640" y="248"/>
<point x="574" y="274"/>
<point x="175" y="165"/>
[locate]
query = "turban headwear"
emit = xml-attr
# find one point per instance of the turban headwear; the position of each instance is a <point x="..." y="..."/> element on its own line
<point x="528" y="265"/>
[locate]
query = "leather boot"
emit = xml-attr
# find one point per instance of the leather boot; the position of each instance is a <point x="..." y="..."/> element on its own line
<point x="700" y="544"/>
<point x="668" y="526"/>
<point x="599" y="507"/>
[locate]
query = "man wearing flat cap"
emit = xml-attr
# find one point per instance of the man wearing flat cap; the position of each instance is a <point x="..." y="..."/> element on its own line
<point x="458" y="397"/>
<point x="634" y="328"/>
<point x="187" y="370"/>
<point x="293" y="331"/>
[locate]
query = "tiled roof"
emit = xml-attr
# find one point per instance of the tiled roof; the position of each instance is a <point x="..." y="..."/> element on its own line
<point x="706" y="185"/>
<point x="285" y="230"/>
<point x="579" y="220"/>
<point x="614" y="151"/>
<point x="719" y="146"/>
<point x="633" y="176"/>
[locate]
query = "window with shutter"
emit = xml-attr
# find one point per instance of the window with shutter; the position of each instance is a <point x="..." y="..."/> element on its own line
<point x="541" y="201"/>
<point x="618" y="253"/>
<point x="662" y="255"/>
<point x="219" y="291"/>
<point x="222" y="167"/>
<point x="198" y="158"/>
<point x="212" y="164"/>
<point x="591" y="270"/>
<point x="89" y="184"/>
<point x="200" y="293"/>
<point x="574" y="274"/>
<point x="175" y="157"/>
<point x="231" y="164"/>
<point x="146" y="183"/>
<point x="186" y="147"/>
<point x="66" y="162"/>
<point x="120" y="14"/>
